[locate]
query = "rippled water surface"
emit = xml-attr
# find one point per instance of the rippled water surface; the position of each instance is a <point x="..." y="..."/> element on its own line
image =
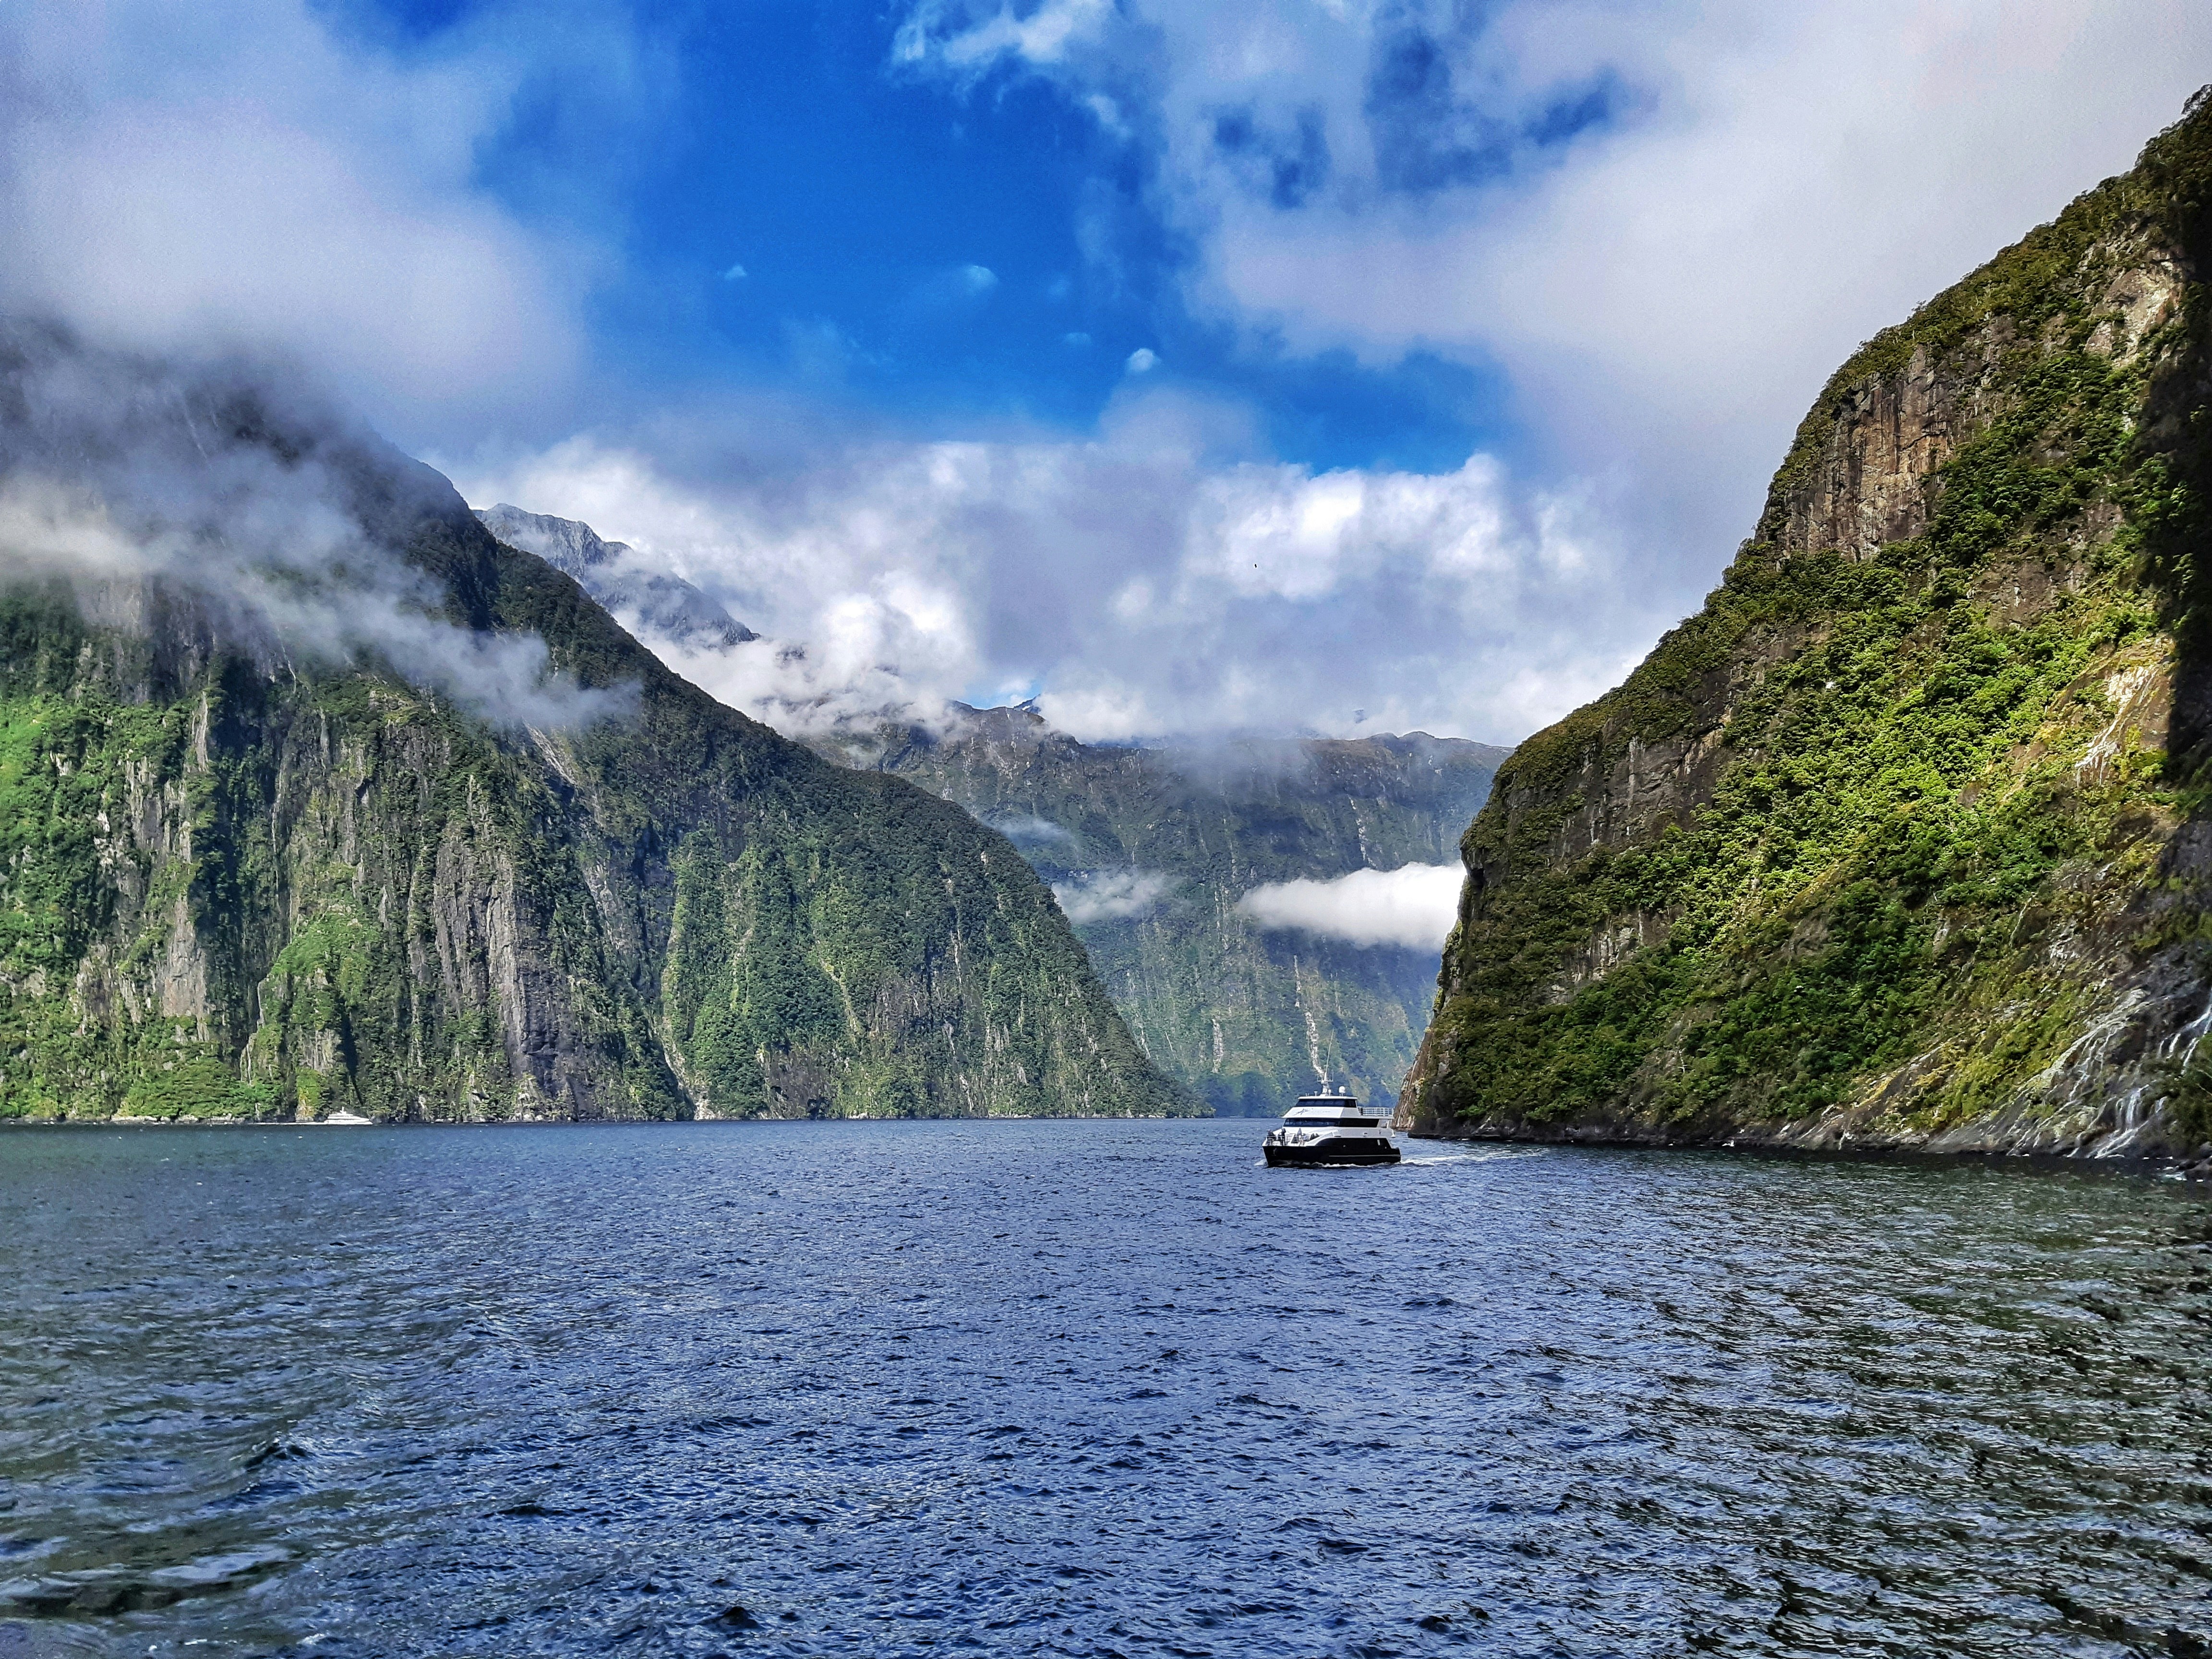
<point x="1086" y="1388"/>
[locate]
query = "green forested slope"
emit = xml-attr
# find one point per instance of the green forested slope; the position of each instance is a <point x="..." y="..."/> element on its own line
<point x="1152" y="849"/>
<point x="1902" y="838"/>
<point x="238" y="878"/>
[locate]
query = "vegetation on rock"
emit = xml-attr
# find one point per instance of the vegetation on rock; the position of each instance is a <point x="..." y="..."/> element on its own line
<point x="1903" y="837"/>
<point x="1151" y="847"/>
<point x="239" y="881"/>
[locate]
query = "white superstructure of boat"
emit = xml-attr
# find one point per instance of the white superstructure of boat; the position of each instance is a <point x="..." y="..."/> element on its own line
<point x="1330" y="1128"/>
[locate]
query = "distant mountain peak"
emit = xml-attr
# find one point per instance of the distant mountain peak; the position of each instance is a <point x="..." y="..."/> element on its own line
<point x="567" y="544"/>
<point x="639" y="588"/>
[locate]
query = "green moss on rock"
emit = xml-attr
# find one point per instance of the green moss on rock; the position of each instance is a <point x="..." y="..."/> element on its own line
<point x="1897" y="838"/>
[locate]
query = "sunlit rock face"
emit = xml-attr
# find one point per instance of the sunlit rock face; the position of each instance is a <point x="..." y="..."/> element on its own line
<point x="315" y="798"/>
<point x="1902" y="839"/>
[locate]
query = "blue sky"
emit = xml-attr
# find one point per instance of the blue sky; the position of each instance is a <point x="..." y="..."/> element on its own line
<point x="1298" y="364"/>
<point x="915" y="248"/>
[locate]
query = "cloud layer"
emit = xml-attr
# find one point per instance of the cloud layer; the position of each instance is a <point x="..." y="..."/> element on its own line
<point x="1140" y="584"/>
<point x="1413" y="907"/>
<point x="1666" y="222"/>
<point x="1111" y="894"/>
<point x="1643" y="232"/>
<point x="263" y="506"/>
<point x="242" y="174"/>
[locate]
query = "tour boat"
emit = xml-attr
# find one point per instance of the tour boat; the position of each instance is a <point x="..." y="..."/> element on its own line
<point x="1329" y="1128"/>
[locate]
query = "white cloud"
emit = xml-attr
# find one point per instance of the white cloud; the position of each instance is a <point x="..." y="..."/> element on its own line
<point x="240" y="174"/>
<point x="1414" y="906"/>
<point x="863" y="618"/>
<point x="115" y="474"/>
<point x="954" y="289"/>
<point x="1111" y="894"/>
<point x="1145" y="585"/>
<point x="1031" y="831"/>
<point x="1143" y="361"/>
<point x="1665" y="292"/>
<point x="953" y="34"/>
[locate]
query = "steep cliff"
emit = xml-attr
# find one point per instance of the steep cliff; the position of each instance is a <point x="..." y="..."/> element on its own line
<point x="1151" y="850"/>
<point x="1904" y="838"/>
<point x="250" y="867"/>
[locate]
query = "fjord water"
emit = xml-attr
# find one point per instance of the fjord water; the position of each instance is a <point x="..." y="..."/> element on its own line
<point x="1085" y="1388"/>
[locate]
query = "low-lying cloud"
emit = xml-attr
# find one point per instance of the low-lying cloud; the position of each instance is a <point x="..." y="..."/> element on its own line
<point x="1139" y="585"/>
<point x="227" y="486"/>
<point x="1031" y="831"/>
<point x="257" y="175"/>
<point x="1111" y="894"/>
<point x="1648" y="230"/>
<point x="1413" y="907"/>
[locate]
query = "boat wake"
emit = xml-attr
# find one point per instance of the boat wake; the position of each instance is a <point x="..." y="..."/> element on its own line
<point x="1437" y="1160"/>
<point x="1472" y="1155"/>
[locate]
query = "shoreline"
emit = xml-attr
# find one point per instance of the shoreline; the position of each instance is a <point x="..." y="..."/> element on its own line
<point x="1843" y="1150"/>
<point x="122" y="1122"/>
<point x="2135" y="1166"/>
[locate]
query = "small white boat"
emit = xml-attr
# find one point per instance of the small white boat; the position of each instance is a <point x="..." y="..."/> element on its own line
<point x="1329" y="1128"/>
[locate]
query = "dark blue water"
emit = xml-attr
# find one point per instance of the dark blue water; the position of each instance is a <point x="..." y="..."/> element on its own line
<point x="1086" y="1388"/>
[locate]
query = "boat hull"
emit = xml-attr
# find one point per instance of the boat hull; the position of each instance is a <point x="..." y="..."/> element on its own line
<point x="1339" y="1151"/>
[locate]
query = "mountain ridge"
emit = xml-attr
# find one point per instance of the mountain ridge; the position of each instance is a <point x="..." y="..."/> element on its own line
<point x="1151" y="851"/>
<point x="1151" y="848"/>
<point x="1901" y="840"/>
<point x="253" y="874"/>
<point x="620" y="579"/>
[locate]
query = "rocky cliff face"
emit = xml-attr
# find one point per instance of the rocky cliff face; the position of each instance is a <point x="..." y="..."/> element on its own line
<point x="1150" y="851"/>
<point x="1902" y="839"/>
<point x="249" y="868"/>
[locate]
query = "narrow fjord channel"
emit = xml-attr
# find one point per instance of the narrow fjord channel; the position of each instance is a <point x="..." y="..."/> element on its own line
<point x="1086" y="1388"/>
